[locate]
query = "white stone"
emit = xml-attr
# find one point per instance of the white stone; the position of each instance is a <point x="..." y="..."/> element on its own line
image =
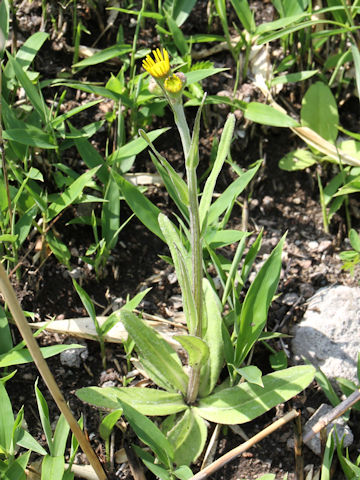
<point x="342" y="429"/>
<point x="329" y="334"/>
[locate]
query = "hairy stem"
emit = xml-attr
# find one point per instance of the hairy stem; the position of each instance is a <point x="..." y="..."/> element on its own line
<point x="196" y="249"/>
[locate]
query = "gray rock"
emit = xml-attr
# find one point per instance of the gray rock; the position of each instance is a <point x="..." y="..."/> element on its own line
<point x="329" y="334"/>
<point x="74" y="357"/>
<point x="342" y="429"/>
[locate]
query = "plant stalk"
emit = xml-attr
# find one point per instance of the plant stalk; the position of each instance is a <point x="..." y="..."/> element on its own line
<point x="195" y="235"/>
<point x="24" y="328"/>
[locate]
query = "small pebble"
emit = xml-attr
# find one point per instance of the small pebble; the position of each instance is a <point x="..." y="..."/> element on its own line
<point x="290" y="298"/>
<point x="313" y="245"/>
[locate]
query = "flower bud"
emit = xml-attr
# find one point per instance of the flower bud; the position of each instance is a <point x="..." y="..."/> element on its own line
<point x="175" y="84"/>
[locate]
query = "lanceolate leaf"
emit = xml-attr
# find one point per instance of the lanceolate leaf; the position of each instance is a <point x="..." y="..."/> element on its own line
<point x="197" y="349"/>
<point x="223" y="151"/>
<point x="256" y="304"/>
<point x="70" y="194"/>
<point x="146" y="211"/>
<point x="232" y="191"/>
<point x="188" y="437"/>
<point x="183" y="270"/>
<point x="247" y="401"/>
<point x="7" y="419"/>
<point x="157" y="352"/>
<point x="150" y="434"/>
<point x="267" y="115"/>
<point x="319" y="111"/>
<point x="17" y="357"/>
<point x="53" y="467"/>
<point x="147" y="401"/>
<point x="213" y="337"/>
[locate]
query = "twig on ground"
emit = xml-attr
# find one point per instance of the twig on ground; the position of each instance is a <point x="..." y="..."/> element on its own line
<point x="235" y="452"/>
<point x="20" y="320"/>
<point x="332" y="415"/>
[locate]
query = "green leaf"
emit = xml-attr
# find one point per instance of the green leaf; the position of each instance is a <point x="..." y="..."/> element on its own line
<point x="96" y="90"/>
<point x="356" y="57"/>
<point x="174" y="184"/>
<point x="44" y="417"/>
<point x="60" y="119"/>
<point x="251" y="374"/>
<point x="319" y="111"/>
<point x="134" y="147"/>
<point x="297" y="160"/>
<point x="180" y="10"/>
<point x="293" y="77"/>
<point x="4" y="24"/>
<point x="220" y="238"/>
<point x="198" y="75"/>
<point x="16" y="471"/>
<point x="351" y="187"/>
<point x="156" y="351"/>
<point x="60" y="436"/>
<point x="288" y="8"/>
<point x="231" y="192"/>
<point x="31" y="136"/>
<point x="354" y="238"/>
<point x="147" y="401"/>
<point x="267" y="115"/>
<point x="104" y="55"/>
<point x="196" y="348"/>
<point x="150" y="434"/>
<point x="7" y="419"/>
<point x="108" y="423"/>
<point x="192" y="156"/>
<point x="110" y="214"/>
<point x="146" y="211"/>
<point x="183" y="473"/>
<point x="182" y="263"/>
<point x="213" y="337"/>
<point x="233" y="272"/>
<point x="244" y="14"/>
<point x="188" y="437"/>
<point x="247" y="401"/>
<point x="88" y="304"/>
<point x="222" y="153"/>
<point x="90" y="155"/>
<point x="178" y="36"/>
<point x="71" y="194"/>
<point x="6" y="343"/>
<point x="52" y="467"/>
<point x="152" y="464"/>
<point x="18" y="357"/>
<point x="278" y="360"/>
<point x="33" y="94"/>
<point x="327" y="388"/>
<point x="27" y="441"/>
<point x="256" y="304"/>
<point x="59" y="249"/>
<point x="30" y="48"/>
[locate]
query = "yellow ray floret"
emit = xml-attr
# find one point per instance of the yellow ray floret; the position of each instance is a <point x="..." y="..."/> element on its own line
<point x="160" y="67"/>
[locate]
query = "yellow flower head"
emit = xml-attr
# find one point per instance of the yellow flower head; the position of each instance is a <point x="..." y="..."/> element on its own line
<point x="160" y="67"/>
<point x="175" y="83"/>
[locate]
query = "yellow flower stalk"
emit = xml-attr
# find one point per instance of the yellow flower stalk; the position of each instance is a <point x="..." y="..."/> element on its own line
<point x="159" y="66"/>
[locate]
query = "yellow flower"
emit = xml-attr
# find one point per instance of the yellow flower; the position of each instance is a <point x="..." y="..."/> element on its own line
<point x="174" y="84"/>
<point x="160" y="67"/>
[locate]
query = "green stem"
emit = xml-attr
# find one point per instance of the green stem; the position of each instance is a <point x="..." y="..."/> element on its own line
<point x="196" y="249"/>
